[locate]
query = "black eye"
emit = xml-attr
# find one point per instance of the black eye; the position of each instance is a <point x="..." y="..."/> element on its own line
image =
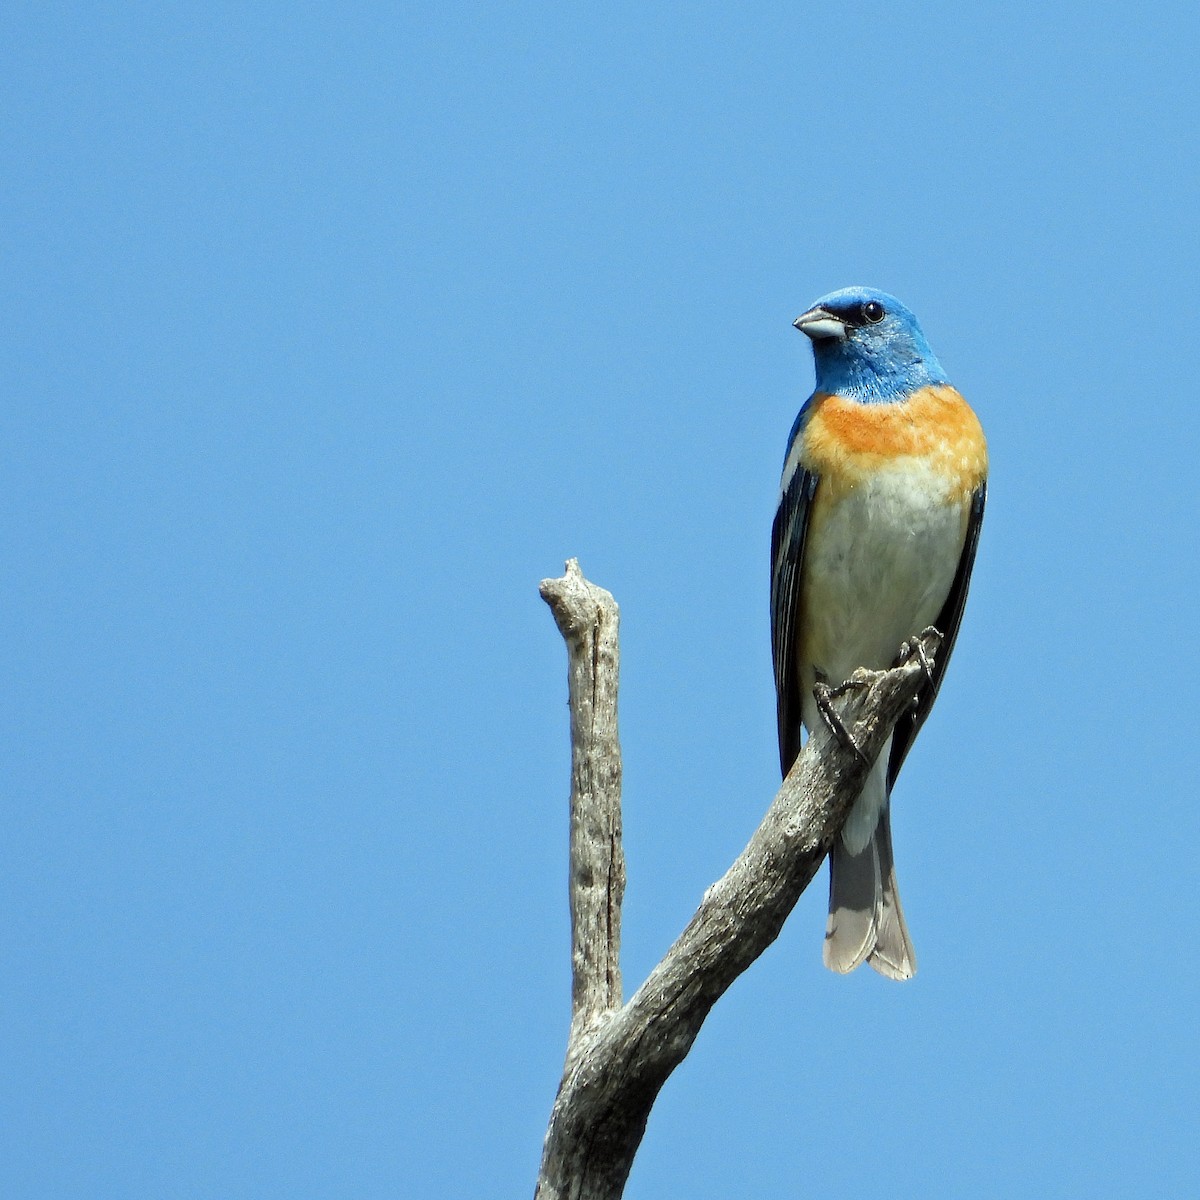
<point x="873" y="312"/>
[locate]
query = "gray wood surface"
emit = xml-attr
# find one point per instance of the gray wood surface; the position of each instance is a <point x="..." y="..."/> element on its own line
<point x="620" y="1054"/>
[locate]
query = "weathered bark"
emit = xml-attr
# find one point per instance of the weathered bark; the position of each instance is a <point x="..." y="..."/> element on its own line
<point x="619" y="1056"/>
<point x="587" y="617"/>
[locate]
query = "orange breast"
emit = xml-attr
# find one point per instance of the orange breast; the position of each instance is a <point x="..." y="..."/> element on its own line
<point x="845" y="441"/>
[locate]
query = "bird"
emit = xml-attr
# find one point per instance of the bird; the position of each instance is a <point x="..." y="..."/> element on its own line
<point x="880" y="507"/>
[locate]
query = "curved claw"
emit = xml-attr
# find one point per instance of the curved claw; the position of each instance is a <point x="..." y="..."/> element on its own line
<point x="824" y="695"/>
<point x="917" y="647"/>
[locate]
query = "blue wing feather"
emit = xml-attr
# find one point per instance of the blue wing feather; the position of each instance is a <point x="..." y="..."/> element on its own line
<point x="787" y="561"/>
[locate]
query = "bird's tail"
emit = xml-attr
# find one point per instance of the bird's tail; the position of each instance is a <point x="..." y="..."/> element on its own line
<point x="865" y="917"/>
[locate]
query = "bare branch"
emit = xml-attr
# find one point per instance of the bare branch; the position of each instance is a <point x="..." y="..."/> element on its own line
<point x="619" y="1057"/>
<point x="587" y="617"/>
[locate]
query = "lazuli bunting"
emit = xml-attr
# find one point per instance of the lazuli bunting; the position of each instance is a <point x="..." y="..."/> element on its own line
<point x="880" y="508"/>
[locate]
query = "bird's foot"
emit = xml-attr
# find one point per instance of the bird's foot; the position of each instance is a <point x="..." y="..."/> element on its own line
<point x="917" y="647"/>
<point x="825" y="696"/>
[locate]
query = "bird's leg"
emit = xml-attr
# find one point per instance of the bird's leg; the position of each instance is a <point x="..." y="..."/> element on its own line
<point x="825" y="695"/>
<point x="917" y="646"/>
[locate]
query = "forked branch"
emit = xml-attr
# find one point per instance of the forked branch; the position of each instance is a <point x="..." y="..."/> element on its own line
<point x="619" y="1055"/>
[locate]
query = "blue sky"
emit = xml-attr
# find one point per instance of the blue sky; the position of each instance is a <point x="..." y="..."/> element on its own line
<point x="327" y="333"/>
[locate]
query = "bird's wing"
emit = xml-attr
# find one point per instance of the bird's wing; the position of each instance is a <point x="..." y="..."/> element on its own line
<point x="787" y="561"/>
<point x="947" y="625"/>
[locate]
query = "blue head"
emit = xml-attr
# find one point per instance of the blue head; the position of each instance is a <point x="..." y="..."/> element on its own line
<point x="868" y="346"/>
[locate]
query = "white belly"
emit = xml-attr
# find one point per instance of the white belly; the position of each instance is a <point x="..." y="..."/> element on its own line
<point x="878" y="567"/>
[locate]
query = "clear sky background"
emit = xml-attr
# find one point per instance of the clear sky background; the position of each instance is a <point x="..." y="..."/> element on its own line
<point x="328" y="331"/>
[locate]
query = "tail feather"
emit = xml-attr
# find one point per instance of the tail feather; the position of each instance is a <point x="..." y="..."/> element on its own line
<point x="866" y="922"/>
<point x="893" y="955"/>
<point x="854" y="885"/>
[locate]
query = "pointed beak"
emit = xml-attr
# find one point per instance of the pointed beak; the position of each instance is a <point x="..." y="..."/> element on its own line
<point x="819" y="323"/>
